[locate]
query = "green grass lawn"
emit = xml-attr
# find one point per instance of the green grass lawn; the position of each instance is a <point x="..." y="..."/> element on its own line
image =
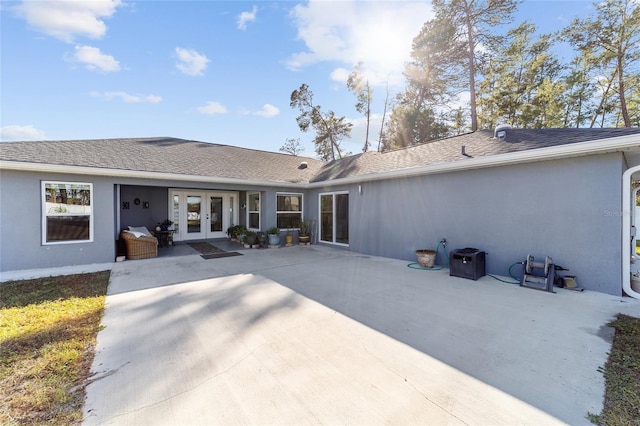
<point x="48" y="329"/>
<point x="622" y="375"/>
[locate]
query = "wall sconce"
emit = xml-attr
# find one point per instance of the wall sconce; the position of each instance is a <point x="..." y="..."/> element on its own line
<point x="360" y="189"/>
<point x="244" y="206"/>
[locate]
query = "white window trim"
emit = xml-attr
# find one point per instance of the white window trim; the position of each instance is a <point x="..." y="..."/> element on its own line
<point x="45" y="214"/>
<point x="278" y="194"/>
<point x="249" y="211"/>
<point x="333" y="207"/>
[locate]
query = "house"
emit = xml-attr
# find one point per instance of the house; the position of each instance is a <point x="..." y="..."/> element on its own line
<point x="564" y="193"/>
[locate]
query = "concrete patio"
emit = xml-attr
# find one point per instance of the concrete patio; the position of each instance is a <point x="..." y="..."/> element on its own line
<point x="318" y="335"/>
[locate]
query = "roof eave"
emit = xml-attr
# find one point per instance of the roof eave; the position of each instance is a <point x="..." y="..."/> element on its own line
<point x="601" y="146"/>
<point x="135" y="174"/>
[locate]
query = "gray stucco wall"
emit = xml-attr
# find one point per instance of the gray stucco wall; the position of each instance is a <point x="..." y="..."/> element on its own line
<point x="137" y="214"/>
<point x="563" y="208"/>
<point x="556" y="208"/>
<point x="21" y="224"/>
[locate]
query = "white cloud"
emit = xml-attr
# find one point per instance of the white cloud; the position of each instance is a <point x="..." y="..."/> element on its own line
<point x="21" y="133"/>
<point x="212" y="108"/>
<point x="128" y="98"/>
<point x="340" y="75"/>
<point x="191" y="62"/>
<point x="94" y="60"/>
<point x="68" y="19"/>
<point x="379" y="34"/>
<point x="246" y="17"/>
<point x="268" y="111"/>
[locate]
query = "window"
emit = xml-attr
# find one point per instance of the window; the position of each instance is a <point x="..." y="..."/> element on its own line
<point x="253" y="210"/>
<point x="334" y="217"/>
<point x="288" y="210"/>
<point x="67" y="212"/>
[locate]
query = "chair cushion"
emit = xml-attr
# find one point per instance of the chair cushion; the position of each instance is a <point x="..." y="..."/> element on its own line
<point x="140" y="231"/>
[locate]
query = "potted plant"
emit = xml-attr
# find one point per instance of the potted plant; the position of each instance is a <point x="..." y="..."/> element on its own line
<point x="303" y="233"/>
<point x="262" y="239"/>
<point x="250" y="239"/>
<point x="288" y="238"/>
<point x="235" y="232"/>
<point x="274" y="236"/>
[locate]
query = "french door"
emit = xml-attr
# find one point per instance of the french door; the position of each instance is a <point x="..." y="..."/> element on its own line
<point x="202" y="214"/>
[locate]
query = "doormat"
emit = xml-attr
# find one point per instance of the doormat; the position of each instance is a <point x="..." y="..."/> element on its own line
<point x="206" y="248"/>
<point x="219" y="255"/>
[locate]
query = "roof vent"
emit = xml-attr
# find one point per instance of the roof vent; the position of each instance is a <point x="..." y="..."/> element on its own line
<point x="303" y="165"/>
<point x="501" y="131"/>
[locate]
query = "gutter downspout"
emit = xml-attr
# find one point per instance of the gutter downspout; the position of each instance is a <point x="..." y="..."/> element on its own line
<point x="626" y="232"/>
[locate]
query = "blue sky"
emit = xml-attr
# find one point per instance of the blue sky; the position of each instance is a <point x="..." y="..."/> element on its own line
<point x="213" y="71"/>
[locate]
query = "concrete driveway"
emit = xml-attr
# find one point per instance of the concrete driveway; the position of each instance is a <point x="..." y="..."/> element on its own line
<point x="316" y="335"/>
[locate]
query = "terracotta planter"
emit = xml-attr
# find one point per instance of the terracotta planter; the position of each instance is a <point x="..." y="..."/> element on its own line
<point x="426" y="258"/>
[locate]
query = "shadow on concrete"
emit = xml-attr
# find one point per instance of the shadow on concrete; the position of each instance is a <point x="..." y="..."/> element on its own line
<point x="541" y="348"/>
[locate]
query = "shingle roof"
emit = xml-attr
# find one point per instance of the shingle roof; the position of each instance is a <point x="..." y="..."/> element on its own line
<point x="165" y="155"/>
<point x="186" y="157"/>
<point x="478" y="144"/>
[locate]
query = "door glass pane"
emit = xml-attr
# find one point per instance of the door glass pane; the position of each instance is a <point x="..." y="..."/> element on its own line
<point x="194" y="213"/>
<point x="253" y="207"/>
<point x="176" y="212"/>
<point x="342" y="218"/>
<point x="216" y="214"/>
<point x="326" y="218"/>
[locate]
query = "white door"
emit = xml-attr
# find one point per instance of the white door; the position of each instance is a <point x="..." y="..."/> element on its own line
<point x="202" y="214"/>
<point x="196" y="211"/>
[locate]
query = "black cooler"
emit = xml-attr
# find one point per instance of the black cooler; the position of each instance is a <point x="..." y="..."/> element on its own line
<point x="467" y="263"/>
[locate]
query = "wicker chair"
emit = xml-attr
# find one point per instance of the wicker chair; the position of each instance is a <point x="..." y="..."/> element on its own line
<point x="142" y="247"/>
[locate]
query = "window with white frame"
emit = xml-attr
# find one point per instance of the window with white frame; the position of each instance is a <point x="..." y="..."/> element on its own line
<point x="253" y="210"/>
<point x="67" y="215"/>
<point x="288" y="210"/>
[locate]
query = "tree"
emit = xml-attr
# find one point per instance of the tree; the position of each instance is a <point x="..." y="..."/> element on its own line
<point x="364" y="93"/>
<point x="434" y="69"/>
<point x="612" y="38"/>
<point x="633" y="101"/>
<point x="383" y="137"/>
<point x="522" y="85"/>
<point x="579" y="95"/>
<point x="444" y="64"/>
<point x="292" y="146"/>
<point x="473" y="21"/>
<point x="437" y="62"/>
<point x="330" y="130"/>
<point x="413" y="122"/>
<point x="459" y="126"/>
